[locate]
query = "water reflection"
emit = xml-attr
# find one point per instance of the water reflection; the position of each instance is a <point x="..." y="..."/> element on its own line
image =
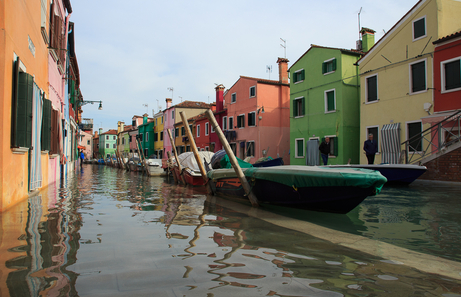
<point x="107" y="232"/>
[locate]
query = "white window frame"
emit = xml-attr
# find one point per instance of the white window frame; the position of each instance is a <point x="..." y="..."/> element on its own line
<point x="294" y="102"/>
<point x="442" y="75"/>
<point x="294" y="73"/>
<point x="407" y="136"/>
<point x="410" y="91"/>
<point x="377" y="89"/>
<point x="224" y="123"/>
<point x="198" y="130"/>
<point x="326" y="73"/>
<point x="255" y="118"/>
<point x="296" y="148"/>
<point x="254" y="87"/>
<point x="172" y="114"/>
<point x="379" y="138"/>
<point x="242" y="114"/>
<point x="326" y="100"/>
<point x="229" y="126"/>
<point x="207" y="127"/>
<point x="232" y="95"/>
<point x="254" y="149"/>
<point x="413" y="28"/>
<point x="330" y="156"/>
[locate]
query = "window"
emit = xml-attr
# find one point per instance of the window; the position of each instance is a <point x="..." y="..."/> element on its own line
<point x="250" y="151"/>
<point x="161" y="136"/>
<point x="418" y="77"/>
<point x="234" y="97"/>
<point x="241" y="121"/>
<point x="206" y="128"/>
<point x="113" y="137"/>
<point x="252" y="119"/>
<point x="107" y="145"/>
<point x="298" y="76"/>
<point x="123" y="140"/>
<point x="146" y="153"/>
<point x="330" y="101"/>
<point x="252" y="91"/>
<point x="231" y="123"/>
<point x="172" y="114"/>
<point x="451" y="74"/>
<point x="212" y="129"/>
<point x="334" y="144"/>
<point x="373" y="130"/>
<point x="114" y="146"/>
<point x="162" y="119"/>
<point x="183" y="131"/>
<point x="419" y="28"/>
<point x="371" y="88"/>
<point x="147" y="136"/>
<point x="188" y="148"/>
<point x="329" y="66"/>
<point x="414" y="129"/>
<point x="190" y="128"/>
<point x="176" y="132"/>
<point x="198" y="130"/>
<point x="107" y="137"/>
<point x="299" y="148"/>
<point x="88" y="142"/>
<point x="133" y="123"/>
<point x="298" y="107"/>
<point x="129" y="138"/>
<point x="207" y="148"/>
<point x="155" y="137"/>
<point x="224" y="123"/>
<point x="140" y="137"/>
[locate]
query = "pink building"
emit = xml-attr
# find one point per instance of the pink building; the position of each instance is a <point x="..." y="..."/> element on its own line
<point x="86" y="141"/>
<point x="168" y="123"/>
<point x="136" y="121"/>
<point x="258" y="116"/>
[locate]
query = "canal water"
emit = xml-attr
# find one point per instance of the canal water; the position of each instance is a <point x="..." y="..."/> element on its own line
<point x="106" y="232"/>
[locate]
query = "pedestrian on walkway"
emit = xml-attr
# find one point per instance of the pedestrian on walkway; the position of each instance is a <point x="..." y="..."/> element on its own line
<point x="370" y="147"/>
<point x="324" y="149"/>
<point x="82" y="157"/>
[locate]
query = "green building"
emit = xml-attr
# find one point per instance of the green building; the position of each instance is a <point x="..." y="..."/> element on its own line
<point x="147" y="136"/>
<point x="324" y="101"/>
<point x="107" y="143"/>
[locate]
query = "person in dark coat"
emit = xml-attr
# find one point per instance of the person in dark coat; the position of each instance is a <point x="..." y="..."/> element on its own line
<point x="82" y="157"/>
<point x="324" y="149"/>
<point x="370" y="147"/>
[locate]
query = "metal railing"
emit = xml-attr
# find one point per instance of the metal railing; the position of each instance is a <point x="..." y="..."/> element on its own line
<point x="434" y="139"/>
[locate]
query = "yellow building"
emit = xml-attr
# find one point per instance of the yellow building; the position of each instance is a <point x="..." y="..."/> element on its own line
<point x="396" y="77"/>
<point x="158" y="136"/>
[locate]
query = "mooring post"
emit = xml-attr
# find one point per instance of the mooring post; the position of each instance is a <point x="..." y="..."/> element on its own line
<point x="176" y="157"/>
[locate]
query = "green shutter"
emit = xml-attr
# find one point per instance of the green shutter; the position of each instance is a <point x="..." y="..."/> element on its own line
<point x="335" y="146"/>
<point x="303" y="112"/>
<point x="331" y="101"/>
<point x="295" y="77"/>
<point x="23" y="124"/>
<point x="334" y="64"/>
<point x="72" y="91"/>
<point x="46" y="126"/>
<point x="302" y="74"/>
<point x="295" y="108"/>
<point x="324" y="68"/>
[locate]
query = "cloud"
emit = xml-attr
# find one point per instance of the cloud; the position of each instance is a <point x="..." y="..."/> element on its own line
<point x="130" y="52"/>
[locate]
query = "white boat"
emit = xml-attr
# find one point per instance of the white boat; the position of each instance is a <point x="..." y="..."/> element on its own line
<point x="154" y="166"/>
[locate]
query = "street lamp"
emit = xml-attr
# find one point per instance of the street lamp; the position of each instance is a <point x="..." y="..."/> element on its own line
<point x="84" y="102"/>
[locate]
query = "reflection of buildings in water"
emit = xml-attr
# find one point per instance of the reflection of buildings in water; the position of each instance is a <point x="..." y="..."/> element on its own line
<point x="51" y="246"/>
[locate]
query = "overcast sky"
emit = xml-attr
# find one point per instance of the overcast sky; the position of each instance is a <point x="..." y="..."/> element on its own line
<point x="130" y="52"/>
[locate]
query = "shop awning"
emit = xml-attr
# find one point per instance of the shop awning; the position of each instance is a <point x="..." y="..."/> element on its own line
<point x="390" y="143"/>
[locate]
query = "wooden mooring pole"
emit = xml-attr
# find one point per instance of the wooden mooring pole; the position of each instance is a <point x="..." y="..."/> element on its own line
<point x="176" y="157"/>
<point x="233" y="160"/>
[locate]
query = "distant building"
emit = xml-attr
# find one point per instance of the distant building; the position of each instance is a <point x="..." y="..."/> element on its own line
<point x="107" y="143"/>
<point x="146" y="135"/>
<point x="158" y="136"/>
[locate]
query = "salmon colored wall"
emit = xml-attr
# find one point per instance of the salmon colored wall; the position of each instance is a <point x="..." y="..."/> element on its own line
<point x="18" y="20"/>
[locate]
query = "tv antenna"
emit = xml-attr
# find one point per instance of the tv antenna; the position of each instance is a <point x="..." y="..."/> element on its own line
<point x="284" y="45"/>
<point x="171" y="89"/>
<point x="146" y="106"/>
<point x="158" y="105"/>
<point x="269" y="70"/>
<point x="180" y="98"/>
<point x="360" y="11"/>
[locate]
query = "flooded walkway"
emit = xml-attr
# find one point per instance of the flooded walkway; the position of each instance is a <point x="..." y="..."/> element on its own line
<point x="113" y="233"/>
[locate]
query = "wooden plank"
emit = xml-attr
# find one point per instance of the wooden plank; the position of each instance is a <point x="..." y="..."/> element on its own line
<point x="176" y="156"/>
<point x="233" y="160"/>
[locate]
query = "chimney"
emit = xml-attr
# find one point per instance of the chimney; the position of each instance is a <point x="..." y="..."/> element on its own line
<point x="168" y="102"/>
<point x="122" y="126"/>
<point x="95" y="134"/>
<point x="100" y="131"/>
<point x="144" y="118"/>
<point x="368" y="38"/>
<point x="283" y="70"/>
<point x="219" y="97"/>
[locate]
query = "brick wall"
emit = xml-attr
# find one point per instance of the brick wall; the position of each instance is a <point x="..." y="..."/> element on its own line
<point x="445" y="167"/>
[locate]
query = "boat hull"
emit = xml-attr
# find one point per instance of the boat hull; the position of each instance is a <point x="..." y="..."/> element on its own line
<point x="193" y="180"/>
<point x="156" y="171"/>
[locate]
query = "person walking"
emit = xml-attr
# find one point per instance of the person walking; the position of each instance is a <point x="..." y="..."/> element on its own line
<point x="82" y="157"/>
<point x="324" y="149"/>
<point x="370" y="147"/>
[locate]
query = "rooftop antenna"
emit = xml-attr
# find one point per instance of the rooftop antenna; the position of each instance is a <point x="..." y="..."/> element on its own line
<point x="171" y="89"/>
<point x="284" y="45"/>
<point x="180" y="98"/>
<point x="269" y="70"/>
<point x="360" y="11"/>
<point x="208" y="99"/>
<point x="158" y="105"/>
<point x="147" y="107"/>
